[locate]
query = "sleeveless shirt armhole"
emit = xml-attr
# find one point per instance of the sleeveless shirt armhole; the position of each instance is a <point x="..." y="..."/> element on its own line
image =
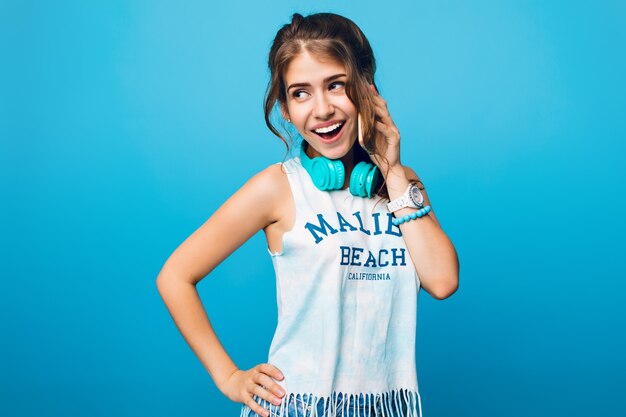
<point x="418" y="281"/>
<point x="282" y="242"/>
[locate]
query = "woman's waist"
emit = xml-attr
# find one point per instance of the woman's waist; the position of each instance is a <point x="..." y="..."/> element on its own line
<point x="324" y="374"/>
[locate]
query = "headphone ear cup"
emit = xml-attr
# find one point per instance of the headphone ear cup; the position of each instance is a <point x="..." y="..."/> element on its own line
<point x="337" y="173"/>
<point x="372" y="180"/>
<point x="357" y="179"/>
<point x="363" y="179"/>
<point x="320" y="172"/>
<point x="327" y="174"/>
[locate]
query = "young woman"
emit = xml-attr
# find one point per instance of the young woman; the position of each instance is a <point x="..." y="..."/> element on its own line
<point x="351" y="233"/>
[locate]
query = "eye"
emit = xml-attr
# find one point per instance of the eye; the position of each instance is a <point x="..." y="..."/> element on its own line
<point x="338" y="83"/>
<point x="296" y="93"/>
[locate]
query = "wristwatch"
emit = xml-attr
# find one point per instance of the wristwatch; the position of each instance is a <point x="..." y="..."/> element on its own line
<point x="412" y="197"/>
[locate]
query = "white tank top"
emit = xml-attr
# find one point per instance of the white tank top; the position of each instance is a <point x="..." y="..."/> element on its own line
<point x="347" y="304"/>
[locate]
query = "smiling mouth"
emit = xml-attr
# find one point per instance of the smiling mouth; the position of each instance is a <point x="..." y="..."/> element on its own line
<point x="331" y="134"/>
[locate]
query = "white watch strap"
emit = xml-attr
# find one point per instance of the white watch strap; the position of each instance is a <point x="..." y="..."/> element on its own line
<point x="403" y="201"/>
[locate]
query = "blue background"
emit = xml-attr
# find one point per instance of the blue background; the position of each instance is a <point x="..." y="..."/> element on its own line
<point x="125" y="124"/>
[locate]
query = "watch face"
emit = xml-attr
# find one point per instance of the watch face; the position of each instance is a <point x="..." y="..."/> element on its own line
<point x="416" y="196"/>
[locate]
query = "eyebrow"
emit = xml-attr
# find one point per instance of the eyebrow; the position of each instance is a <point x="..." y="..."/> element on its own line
<point x="327" y="79"/>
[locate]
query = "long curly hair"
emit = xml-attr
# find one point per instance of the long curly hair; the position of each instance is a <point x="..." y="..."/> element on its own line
<point x="326" y="35"/>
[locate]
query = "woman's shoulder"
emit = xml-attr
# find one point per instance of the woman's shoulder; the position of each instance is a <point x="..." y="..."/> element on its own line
<point x="272" y="182"/>
<point x="273" y="178"/>
<point x="271" y="187"/>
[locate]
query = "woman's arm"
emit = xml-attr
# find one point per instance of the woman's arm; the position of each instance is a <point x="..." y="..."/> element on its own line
<point x="249" y="210"/>
<point x="431" y="251"/>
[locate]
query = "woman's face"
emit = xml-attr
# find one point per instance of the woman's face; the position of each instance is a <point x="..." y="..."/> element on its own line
<point x="316" y="99"/>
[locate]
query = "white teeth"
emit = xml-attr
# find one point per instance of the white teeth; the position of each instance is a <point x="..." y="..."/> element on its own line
<point x="327" y="128"/>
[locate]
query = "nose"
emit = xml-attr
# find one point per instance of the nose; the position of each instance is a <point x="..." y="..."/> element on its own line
<point x="323" y="107"/>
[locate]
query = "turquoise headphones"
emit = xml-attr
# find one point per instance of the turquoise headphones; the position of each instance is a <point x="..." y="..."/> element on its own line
<point x="329" y="174"/>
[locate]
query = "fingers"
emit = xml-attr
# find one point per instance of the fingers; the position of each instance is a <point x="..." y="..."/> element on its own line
<point x="264" y="387"/>
<point x="270" y="370"/>
<point x="254" y="406"/>
<point x="270" y="390"/>
<point x="390" y="132"/>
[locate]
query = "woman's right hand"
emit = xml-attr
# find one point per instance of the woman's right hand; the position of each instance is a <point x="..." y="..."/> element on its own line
<point x="243" y="385"/>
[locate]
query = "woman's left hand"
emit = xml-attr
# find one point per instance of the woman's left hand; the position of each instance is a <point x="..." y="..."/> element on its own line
<point x="387" y="136"/>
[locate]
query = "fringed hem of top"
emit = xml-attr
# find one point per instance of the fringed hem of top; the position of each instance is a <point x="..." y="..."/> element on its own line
<point x="396" y="403"/>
